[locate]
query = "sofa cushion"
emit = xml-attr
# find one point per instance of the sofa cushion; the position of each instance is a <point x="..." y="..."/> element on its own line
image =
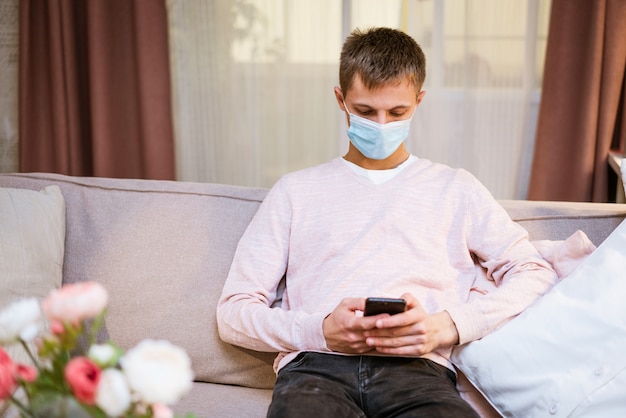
<point x="162" y="249"/>
<point x="563" y="356"/>
<point x="224" y="401"/>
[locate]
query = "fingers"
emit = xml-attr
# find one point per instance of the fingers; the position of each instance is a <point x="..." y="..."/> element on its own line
<point x="413" y="340"/>
<point x="413" y="332"/>
<point x="414" y="314"/>
<point x="409" y="333"/>
<point x="411" y="302"/>
<point x="352" y="304"/>
<point x="341" y="337"/>
<point x="409" y="345"/>
<point x="343" y="329"/>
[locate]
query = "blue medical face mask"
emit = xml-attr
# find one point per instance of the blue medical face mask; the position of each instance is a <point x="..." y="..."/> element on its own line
<point x="375" y="140"/>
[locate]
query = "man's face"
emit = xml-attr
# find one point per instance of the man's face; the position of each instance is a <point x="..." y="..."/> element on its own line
<point x="388" y="103"/>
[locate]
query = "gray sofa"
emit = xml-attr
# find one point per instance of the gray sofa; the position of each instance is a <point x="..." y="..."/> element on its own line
<point x="162" y="249"/>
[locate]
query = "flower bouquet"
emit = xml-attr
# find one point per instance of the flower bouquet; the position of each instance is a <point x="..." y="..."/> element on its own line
<point x="61" y="380"/>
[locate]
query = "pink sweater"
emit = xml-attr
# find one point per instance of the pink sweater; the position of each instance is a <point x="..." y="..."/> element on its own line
<point x="334" y="235"/>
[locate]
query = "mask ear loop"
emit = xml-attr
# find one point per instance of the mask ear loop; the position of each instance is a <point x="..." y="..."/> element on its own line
<point x="345" y="106"/>
<point x="350" y="115"/>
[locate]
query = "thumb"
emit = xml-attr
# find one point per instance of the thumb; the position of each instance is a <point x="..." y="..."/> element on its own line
<point x="412" y="302"/>
<point x="352" y="304"/>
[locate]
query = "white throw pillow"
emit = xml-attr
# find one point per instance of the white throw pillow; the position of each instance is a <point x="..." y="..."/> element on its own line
<point x="32" y="237"/>
<point x="563" y="356"/>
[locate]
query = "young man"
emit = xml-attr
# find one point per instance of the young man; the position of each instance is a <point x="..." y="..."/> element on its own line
<point x="377" y="222"/>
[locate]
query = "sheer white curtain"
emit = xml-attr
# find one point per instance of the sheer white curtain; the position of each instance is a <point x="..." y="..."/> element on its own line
<point x="253" y="84"/>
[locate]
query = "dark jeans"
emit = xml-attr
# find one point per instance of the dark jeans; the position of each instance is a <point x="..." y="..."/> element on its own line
<point x="326" y="385"/>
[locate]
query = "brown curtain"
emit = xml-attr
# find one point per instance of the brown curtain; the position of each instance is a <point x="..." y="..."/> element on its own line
<point x="583" y="112"/>
<point x="94" y="88"/>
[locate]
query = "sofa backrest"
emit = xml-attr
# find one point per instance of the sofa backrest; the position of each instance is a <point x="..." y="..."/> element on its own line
<point x="559" y="220"/>
<point x="163" y="249"/>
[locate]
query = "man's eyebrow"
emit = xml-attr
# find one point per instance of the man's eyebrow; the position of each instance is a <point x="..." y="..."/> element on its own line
<point x="366" y="106"/>
<point x="400" y="107"/>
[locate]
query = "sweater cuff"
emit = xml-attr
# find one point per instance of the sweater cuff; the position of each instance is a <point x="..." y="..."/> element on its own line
<point x="468" y="322"/>
<point x="311" y="334"/>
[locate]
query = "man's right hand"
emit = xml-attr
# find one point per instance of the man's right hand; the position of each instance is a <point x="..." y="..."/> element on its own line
<point x="344" y="329"/>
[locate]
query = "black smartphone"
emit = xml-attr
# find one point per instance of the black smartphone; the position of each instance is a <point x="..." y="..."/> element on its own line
<point x="392" y="306"/>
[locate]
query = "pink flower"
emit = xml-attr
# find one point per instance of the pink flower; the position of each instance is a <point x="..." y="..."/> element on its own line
<point x="83" y="376"/>
<point x="7" y="375"/>
<point x="25" y="373"/>
<point x="75" y="302"/>
<point x="160" y="410"/>
<point x="57" y="328"/>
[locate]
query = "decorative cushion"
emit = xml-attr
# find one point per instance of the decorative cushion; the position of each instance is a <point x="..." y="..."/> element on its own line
<point x="564" y="355"/>
<point x="32" y="225"/>
<point x="31" y="243"/>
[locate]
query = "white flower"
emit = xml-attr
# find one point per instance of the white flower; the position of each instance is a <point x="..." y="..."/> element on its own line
<point x="158" y="371"/>
<point x="21" y="319"/>
<point x="104" y="355"/>
<point x="113" y="393"/>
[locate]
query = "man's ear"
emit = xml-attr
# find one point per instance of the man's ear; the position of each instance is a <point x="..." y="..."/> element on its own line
<point x="420" y="96"/>
<point x="340" y="98"/>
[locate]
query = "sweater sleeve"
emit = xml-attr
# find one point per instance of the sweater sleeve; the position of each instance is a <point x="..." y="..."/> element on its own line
<point x="245" y="315"/>
<point x="503" y="248"/>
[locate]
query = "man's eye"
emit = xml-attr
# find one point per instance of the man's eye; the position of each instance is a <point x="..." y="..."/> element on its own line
<point x="397" y="114"/>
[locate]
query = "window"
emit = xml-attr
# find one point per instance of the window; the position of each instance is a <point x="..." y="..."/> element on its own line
<point x="253" y="84"/>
